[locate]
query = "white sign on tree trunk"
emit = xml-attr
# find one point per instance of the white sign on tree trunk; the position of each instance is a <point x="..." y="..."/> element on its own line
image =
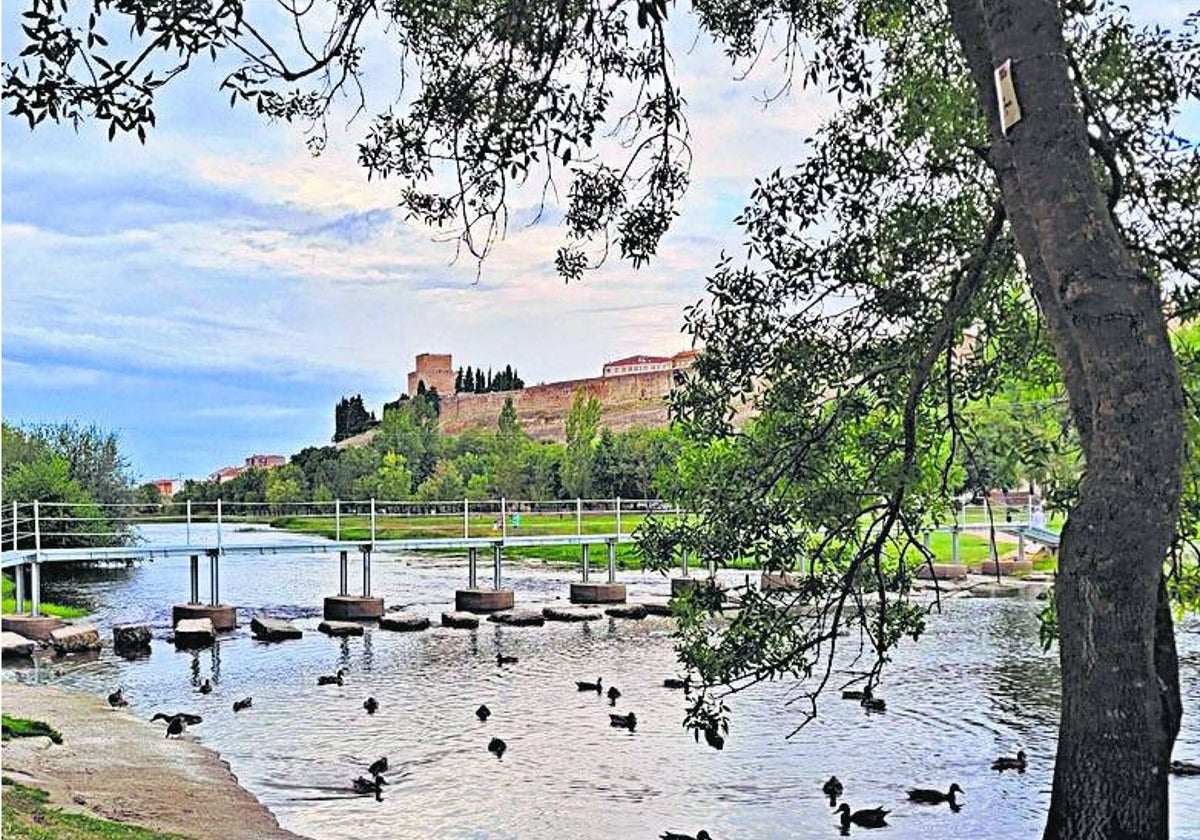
<point x="1006" y="95"/>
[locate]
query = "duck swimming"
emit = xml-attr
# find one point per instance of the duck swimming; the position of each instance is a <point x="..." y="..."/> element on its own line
<point x="674" y="835"/>
<point x="1008" y="763"/>
<point x="378" y="766"/>
<point x="934" y="797"/>
<point x="587" y="686"/>
<point x="613" y="694"/>
<point x="371" y="705"/>
<point x="335" y="679"/>
<point x="866" y="818"/>
<point x="206" y="687"/>
<point x="374" y="785"/>
<point x="832" y="788"/>
<point x="497" y="747"/>
<point x="873" y="704"/>
<point x="501" y="659"/>
<point x="117" y="699"/>
<point x="483" y="713"/>
<point x="860" y="694"/>
<point x="628" y="721"/>
<point x="675" y="682"/>
<point x="238" y="705"/>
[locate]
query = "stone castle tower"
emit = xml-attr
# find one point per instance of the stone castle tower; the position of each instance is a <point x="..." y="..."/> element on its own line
<point x="436" y="370"/>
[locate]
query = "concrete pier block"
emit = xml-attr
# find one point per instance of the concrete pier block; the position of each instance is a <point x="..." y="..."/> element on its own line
<point x="597" y="593"/>
<point x="222" y="616"/>
<point x="634" y="611"/>
<point x="352" y="608"/>
<point x="75" y="638"/>
<point x="267" y="629"/>
<point x="404" y="622"/>
<point x="1007" y="567"/>
<point x="341" y="628"/>
<point x="460" y="620"/>
<point x="483" y="600"/>
<point x="37" y="628"/>
<point x="656" y="607"/>
<point x="941" y="571"/>
<point x="194" y="633"/>
<point x="571" y="614"/>
<point x="15" y="645"/>
<point x="131" y="638"/>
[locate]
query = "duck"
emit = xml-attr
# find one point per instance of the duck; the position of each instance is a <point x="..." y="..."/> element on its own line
<point x="675" y="835"/>
<point x="714" y="739"/>
<point x="1005" y="762"/>
<point x="177" y="723"/>
<point x="873" y="704"/>
<point x="483" y="713"/>
<point x="866" y="818"/>
<point x="1185" y="768"/>
<point x="206" y="687"/>
<point x="934" y="797"/>
<point x="371" y="705"/>
<point x="832" y="788"/>
<point x="613" y="694"/>
<point x="628" y="721"/>
<point x="497" y="747"/>
<point x="501" y="660"/>
<point x="117" y="699"/>
<point x="245" y="703"/>
<point x="587" y="686"/>
<point x="378" y="766"/>
<point x="334" y="679"/>
<point x="675" y="682"/>
<point x="373" y="785"/>
<point x="858" y="694"/>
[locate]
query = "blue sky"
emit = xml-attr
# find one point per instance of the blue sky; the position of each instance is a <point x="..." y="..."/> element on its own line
<point x="213" y="293"/>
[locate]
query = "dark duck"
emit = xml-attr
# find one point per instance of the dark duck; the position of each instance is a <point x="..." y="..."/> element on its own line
<point x="935" y="797"/>
<point x="590" y="686"/>
<point x="628" y="721"/>
<point x="866" y="818"/>
<point x="239" y="705"/>
<point x="117" y="699"/>
<point x="1006" y="762"/>
<point x="371" y="705"/>
<point x="332" y="679"/>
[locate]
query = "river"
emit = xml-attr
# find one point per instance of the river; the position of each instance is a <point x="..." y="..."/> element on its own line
<point x="976" y="686"/>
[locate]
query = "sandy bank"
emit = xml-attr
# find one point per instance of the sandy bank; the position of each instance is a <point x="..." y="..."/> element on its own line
<point x="115" y="766"/>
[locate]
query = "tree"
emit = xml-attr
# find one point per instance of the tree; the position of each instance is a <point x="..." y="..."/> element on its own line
<point x="394" y="480"/>
<point x="480" y="385"/>
<point x="284" y="484"/>
<point x="69" y="517"/>
<point x="469" y="380"/>
<point x="458" y="380"/>
<point x="901" y="227"/>
<point x="583" y="419"/>
<point x="508" y="452"/>
<point x="351" y="418"/>
<point x="445" y="484"/>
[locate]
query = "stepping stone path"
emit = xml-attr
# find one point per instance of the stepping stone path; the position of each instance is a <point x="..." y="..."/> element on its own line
<point x="131" y="638"/>
<point x="656" y="607"/>
<point x="195" y="632"/>
<point x="460" y="620"/>
<point x="635" y="611"/>
<point x="405" y="622"/>
<point x="267" y="629"/>
<point x="14" y="644"/>
<point x="340" y="628"/>
<point x="571" y="614"/>
<point x="75" y="638"/>
<point x="518" y="618"/>
<point x="995" y="590"/>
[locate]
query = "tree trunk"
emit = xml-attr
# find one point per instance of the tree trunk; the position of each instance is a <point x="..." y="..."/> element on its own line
<point x="1120" y="688"/>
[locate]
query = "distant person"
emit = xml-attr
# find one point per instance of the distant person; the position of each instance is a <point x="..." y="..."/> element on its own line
<point x="497" y="524"/>
<point x="516" y="521"/>
<point x="1038" y="518"/>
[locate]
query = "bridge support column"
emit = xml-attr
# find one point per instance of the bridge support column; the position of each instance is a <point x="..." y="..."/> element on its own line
<point x="1021" y="546"/>
<point x="584" y="551"/>
<point x="20" y="576"/>
<point x="366" y="572"/>
<point x="34" y="625"/>
<point x="222" y="616"/>
<point x="495" y="599"/>
<point x="346" y="607"/>
<point x="343" y="573"/>
<point x="36" y="585"/>
<point x="684" y="582"/>
<point x="609" y="592"/>
<point x="472" y="567"/>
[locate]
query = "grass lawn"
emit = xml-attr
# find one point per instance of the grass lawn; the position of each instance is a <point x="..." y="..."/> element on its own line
<point x="27" y="815"/>
<point x="443" y="525"/>
<point x="8" y="604"/>
<point x="15" y="727"/>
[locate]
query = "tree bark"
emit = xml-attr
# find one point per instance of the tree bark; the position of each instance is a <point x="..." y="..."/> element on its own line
<point x="1120" y="687"/>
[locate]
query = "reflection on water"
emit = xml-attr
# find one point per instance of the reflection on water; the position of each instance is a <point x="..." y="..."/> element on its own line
<point x="977" y="686"/>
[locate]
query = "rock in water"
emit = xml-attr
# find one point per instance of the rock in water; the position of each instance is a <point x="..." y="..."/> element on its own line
<point x="267" y="629"/>
<point x="75" y="638"/>
<point x="131" y="638"/>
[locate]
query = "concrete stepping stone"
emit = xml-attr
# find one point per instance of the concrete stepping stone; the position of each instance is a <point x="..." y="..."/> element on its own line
<point x="340" y="628"/>
<point x="518" y="618"/>
<point x="662" y="607"/>
<point x="131" y="638"/>
<point x="460" y="620"/>
<point x="267" y="629"/>
<point x="75" y="638"/>
<point x="995" y="590"/>
<point x="634" y="611"/>
<point x="16" y="645"/>
<point x="404" y="622"/>
<point x="571" y="614"/>
<point x="195" y="632"/>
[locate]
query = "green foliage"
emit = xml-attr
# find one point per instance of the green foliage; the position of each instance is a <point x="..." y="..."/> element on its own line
<point x="27" y="816"/>
<point x="446" y="483"/>
<point x="69" y="518"/>
<point x="285" y="484"/>
<point x="578" y="465"/>
<point x="15" y="727"/>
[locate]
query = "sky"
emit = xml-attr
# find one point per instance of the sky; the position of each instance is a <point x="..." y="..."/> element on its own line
<point x="213" y="293"/>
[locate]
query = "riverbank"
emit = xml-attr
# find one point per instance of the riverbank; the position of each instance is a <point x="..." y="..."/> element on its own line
<point x="114" y="766"/>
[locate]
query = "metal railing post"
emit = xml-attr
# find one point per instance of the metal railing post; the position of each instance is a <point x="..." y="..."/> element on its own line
<point x="219" y="517"/>
<point x="497" y="555"/>
<point x="35" y="582"/>
<point x="578" y="517"/>
<point x="1021" y="546"/>
<point x="189" y="522"/>
<point x="472" y="566"/>
<point x="584" y="556"/>
<point x="927" y="540"/>
<point x="372" y="523"/>
<point x="954" y="544"/>
<point x="194" y="578"/>
<point x="612" y="561"/>
<point x="466" y="519"/>
<point x="683" y="562"/>
<point x="366" y="573"/>
<point x="214" y="577"/>
<point x="337" y="521"/>
<point x="20" y="570"/>
<point x="618" y="506"/>
<point x="503" y="520"/>
<point x="16" y="534"/>
<point x="343" y="572"/>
